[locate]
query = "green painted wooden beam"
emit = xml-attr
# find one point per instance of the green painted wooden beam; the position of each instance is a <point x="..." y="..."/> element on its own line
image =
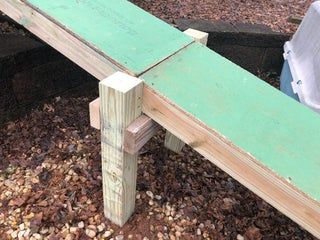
<point x="283" y="134"/>
<point x="135" y="39"/>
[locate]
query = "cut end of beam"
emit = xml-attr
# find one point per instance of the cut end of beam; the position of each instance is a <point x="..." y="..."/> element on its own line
<point x="198" y="36"/>
<point x="139" y="133"/>
<point x="136" y="135"/>
<point x="94" y="109"/>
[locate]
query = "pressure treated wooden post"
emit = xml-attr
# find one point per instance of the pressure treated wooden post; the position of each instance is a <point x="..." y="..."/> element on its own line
<point x="171" y="141"/>
<point x="120" y="104"/>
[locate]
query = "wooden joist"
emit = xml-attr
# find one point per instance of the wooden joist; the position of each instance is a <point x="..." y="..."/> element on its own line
<point x="139" y="133"/>
<point x="263" y="139"/>
<point x="136" y="135"/>
<point x="94" y="113"/>
<point x="173" y="143"/>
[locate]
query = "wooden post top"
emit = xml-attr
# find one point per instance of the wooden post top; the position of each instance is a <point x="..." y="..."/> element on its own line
<point x="121" y="82"/>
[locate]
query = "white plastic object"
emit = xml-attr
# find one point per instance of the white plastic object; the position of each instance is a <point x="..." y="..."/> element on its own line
<point x="303" y="55"/>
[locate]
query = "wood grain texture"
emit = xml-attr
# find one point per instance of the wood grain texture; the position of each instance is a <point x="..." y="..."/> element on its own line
<point x="94" y="113"/>
<point x="139" y="133"/>
<point x="173" y="143"/>
<point x="246" y="111"/>
<point x="238" y="164"/>
<point x="246" y="125"/>
<point x="121" y="100"/>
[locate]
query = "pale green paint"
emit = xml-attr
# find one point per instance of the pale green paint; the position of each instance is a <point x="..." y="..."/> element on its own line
<point x="132" y="37"/>
<point x="276" y="130"/>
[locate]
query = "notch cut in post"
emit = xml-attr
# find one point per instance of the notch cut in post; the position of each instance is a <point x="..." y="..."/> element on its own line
<point x="120" y="105"/>
<point x="171" y="141"/>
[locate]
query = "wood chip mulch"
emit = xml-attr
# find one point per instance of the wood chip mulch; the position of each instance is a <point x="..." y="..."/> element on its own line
<point x="50" y="187"/>
<point x="273" y="13"/>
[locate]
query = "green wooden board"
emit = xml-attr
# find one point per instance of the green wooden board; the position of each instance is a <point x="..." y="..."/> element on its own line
<point x="276" y="130"/>
<point x="132" y="37"/>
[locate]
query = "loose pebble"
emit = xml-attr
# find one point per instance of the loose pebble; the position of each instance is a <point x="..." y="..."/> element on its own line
<point x="119" y="237"/>
<point x="90" y="233"/>
<point x="101" y="227"/>
<point x="73" y="229"/>
<point x="81" y="224"/>
<point x="14" y="234"/>
<point x="21" y="233"/>
<point x="150" y="194"/>
<point x="37" y="236"/>
<point x="107" y="233"/>
<point x="240" y="237"/>
<point x="69" y="237"/>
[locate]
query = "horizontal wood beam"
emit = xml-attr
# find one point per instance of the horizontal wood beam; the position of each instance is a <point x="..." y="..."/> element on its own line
<point x="173" y="143"/>
<point x="94" y="113"/>
<point x="237" y="163"/>
<point x="138" y="133"/>
<point x="59" y="38"/>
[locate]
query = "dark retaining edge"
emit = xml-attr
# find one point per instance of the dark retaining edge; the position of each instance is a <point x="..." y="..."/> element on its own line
<point x="31" y="71"/>
<point x="254" y="47"/>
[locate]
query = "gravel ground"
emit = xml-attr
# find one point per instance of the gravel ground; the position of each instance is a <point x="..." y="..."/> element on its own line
<point x="273" y="13"/>
<point x="50" y="187"/>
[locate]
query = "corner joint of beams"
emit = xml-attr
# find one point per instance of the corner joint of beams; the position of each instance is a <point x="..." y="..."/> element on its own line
<point x="136" y="135"/>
